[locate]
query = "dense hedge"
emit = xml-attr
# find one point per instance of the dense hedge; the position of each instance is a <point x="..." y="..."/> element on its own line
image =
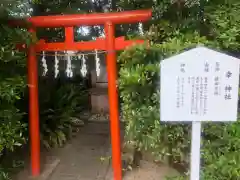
<point x="60" y="100"/>
<point x="12" y="86"/>
<point x="139" y="87"/>
<point x="139" y="77"/>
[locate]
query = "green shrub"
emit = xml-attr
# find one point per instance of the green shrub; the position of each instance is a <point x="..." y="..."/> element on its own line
<point x="140" y="94"/>
<point x="12" y="86"/>
<point x="60" y="102"/>
<point x="139" y="90"/>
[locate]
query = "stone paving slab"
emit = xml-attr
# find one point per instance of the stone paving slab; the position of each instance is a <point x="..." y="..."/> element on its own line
<point x="80" y="159"/>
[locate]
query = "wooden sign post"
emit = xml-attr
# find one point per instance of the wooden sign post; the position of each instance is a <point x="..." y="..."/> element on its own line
<point x="199" y="85"/>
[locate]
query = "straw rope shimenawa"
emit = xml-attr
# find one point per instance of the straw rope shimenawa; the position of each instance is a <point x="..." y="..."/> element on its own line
<point x="72" y="54"/>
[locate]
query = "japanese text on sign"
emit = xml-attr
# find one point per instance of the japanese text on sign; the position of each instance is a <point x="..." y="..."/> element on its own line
<point x="198" y="85"/>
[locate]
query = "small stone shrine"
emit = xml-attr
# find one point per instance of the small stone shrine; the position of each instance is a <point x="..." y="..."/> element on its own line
<point x="99" y="90"/>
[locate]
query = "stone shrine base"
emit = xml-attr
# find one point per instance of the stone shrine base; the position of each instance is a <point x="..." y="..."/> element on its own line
<point x="99" y="100"/>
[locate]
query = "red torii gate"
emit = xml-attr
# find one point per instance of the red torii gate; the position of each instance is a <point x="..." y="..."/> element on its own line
<point x="110" y="44"/>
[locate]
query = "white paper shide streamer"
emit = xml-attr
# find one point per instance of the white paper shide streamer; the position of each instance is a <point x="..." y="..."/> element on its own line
<point x="56" y="66"/>
<point x="44" y="64"/>
<point x="97" y="59"/>
<point x="140" y="29"/>
<point x="84" y="65"/>
<point x="69" y="71"/>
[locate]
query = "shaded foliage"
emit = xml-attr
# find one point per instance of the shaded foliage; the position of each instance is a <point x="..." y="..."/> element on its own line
<point x="12" y="84"/>
<point x="139" y="89"/>
<point x="63" y="102"/>
<point x="175" y="27"/>
<point x="59" y="101"/>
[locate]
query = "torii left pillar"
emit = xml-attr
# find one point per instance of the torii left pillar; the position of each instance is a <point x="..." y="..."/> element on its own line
<point x="33" y="108"/>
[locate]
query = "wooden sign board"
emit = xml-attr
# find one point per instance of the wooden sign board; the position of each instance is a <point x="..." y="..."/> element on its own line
<point x="199" y="85"/>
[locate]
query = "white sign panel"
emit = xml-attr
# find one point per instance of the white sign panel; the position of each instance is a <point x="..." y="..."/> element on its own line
<point x="199" y="85"/>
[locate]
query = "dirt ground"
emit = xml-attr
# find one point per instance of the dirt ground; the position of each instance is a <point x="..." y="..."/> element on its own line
<point x="86" y="157"/>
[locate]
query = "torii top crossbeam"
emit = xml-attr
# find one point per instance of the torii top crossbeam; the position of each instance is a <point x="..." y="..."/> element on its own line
<point x="109" y="43"/>
<point x="88" y="19"/>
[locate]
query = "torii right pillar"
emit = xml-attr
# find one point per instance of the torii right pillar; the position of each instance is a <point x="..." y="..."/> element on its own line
<point x="113" y="100"/>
